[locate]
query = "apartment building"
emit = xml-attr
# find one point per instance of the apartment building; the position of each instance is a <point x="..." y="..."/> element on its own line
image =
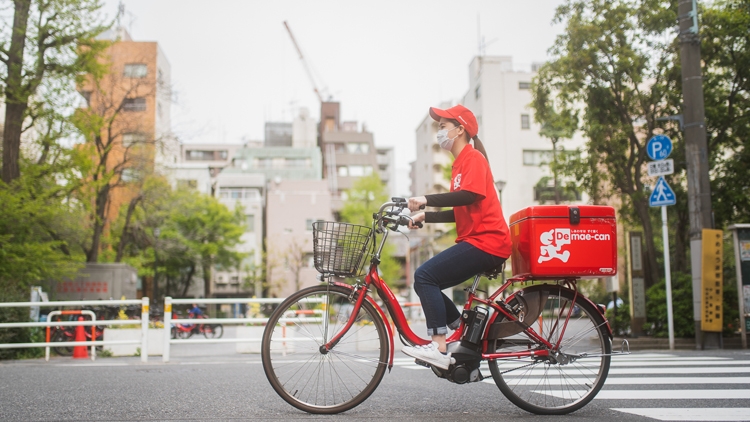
<point x="135" y="96"/>
<point x="349" y="152"/>
<point x="499" y="95"/>
<point x="292" y="207"/>
<point x="245" y="190"/>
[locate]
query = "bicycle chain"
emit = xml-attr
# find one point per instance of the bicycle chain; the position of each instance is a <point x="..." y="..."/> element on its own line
<point x="520" y="367"/>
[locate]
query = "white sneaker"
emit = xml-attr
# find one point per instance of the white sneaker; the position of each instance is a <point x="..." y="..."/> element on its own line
<point x="430" y="354"/>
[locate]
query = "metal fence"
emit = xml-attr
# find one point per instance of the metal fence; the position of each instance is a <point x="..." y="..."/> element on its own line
<point x="61" y="304"/>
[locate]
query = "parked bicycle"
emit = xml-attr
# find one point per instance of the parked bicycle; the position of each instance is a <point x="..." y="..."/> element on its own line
<point x="185" y="331"/>
<point x="326" y="348"/>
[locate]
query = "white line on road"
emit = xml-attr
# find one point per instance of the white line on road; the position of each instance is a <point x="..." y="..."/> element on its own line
<point x="634" y="381"/>
<point x="659" y="394"/>
<point x="91" y="364"/>
<point x="691" y="414"/>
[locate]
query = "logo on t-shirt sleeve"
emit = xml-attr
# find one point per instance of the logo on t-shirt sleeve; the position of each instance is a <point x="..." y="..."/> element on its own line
<point x="457" y="182"/>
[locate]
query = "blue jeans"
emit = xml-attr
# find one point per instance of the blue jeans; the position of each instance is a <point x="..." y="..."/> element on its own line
<point x="449" y="268"/>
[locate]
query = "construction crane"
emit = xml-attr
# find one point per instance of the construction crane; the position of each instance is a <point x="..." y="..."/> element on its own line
<point x="304" y="63"/>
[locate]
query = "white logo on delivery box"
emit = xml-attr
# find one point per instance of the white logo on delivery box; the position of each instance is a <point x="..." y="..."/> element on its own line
<point x="554" y="240"/>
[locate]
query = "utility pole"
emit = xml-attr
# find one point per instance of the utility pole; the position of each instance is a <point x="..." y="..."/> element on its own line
<point x="696" y="152"/>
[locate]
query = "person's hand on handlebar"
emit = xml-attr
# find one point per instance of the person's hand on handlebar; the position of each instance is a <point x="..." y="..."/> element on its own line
<point x="416" y="218"/>
<point x="417" y="203"/>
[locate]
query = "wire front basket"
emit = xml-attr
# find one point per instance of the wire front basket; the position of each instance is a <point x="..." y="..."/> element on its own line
<point x="341" y="248"/>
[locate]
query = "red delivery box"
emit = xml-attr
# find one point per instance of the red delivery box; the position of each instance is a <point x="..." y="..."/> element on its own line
<point x="551" y="241"/>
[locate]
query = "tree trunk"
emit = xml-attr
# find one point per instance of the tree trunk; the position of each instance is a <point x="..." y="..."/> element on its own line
<point x="652" y="269"/>
<point x="188" y="280"/>
<point x="16" y="97"/>
<point x="126" y="228"/>
<point x="206" y="280"/>
<point x="102" y="200"/>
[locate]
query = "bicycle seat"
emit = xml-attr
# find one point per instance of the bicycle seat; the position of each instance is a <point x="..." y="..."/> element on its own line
<point x="493" y="273"/>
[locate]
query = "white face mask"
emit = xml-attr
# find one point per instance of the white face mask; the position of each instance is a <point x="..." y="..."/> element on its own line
<point x="443" y="139"/>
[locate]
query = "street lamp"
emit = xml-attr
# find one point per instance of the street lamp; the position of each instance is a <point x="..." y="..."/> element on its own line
<point x="154" y="289"/>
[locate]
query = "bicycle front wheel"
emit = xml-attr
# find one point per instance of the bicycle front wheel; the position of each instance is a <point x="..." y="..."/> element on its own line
<point x="307" y="376"/>
<point x="573" y="374"/>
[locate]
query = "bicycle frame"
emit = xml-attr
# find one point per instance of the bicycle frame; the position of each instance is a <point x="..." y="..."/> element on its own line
<point x="361" y="290"/>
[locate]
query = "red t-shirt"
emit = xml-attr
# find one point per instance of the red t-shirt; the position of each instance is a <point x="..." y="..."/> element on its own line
<point x="482" y="223"/>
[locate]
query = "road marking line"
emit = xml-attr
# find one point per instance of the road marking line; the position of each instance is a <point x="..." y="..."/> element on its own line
<point x="633" y="381"/>
<point x="91" y="364"/>
<point x="658" y="394"/>
<point x="691" y="414"/>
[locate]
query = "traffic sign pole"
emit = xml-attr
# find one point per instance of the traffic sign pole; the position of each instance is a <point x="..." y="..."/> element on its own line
<point x="668" y="274"/>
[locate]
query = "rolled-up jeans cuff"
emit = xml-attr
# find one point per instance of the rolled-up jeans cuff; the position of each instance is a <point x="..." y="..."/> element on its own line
<point x="437" y="331"/>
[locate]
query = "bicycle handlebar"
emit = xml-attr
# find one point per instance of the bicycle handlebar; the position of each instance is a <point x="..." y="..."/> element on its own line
<point x="393" y="215"/>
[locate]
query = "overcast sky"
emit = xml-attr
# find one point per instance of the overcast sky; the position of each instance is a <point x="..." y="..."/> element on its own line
<point x="234" y="66"/>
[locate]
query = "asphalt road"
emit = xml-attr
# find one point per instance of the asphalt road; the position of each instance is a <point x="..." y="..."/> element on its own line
<point x="205" y="386"/>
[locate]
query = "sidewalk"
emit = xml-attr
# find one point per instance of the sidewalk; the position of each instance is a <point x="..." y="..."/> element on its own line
<point x="654" y="343"/>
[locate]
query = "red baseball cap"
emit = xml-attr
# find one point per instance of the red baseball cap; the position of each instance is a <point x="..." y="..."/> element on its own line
<point x="463" y="115"/>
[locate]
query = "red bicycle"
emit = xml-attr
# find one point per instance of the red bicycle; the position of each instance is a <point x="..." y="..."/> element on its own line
<point x="326" y="348"/>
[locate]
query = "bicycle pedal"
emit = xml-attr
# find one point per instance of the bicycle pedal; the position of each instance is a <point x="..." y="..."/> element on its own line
<point x="422" y="363"/>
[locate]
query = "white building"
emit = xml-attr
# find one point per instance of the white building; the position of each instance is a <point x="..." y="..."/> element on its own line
<point x="499" y="96"/>
<point x="248" y="191"/>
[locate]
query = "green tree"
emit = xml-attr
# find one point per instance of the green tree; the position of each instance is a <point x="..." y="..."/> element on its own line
<point x="616" y="60"/>
<point x="197" y="233"/>
<point x="364" y="198"/>
<point x="725" y="50"/>
<point x="556" y="125"/>
<point x="44" y="40"/>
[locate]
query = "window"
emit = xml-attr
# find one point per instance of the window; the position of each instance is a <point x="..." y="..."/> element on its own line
<point x="358" y="171"/>
<point x="264" y="163"/>
<point x="309" y="222"/>
<point x="129" y="175"/>
<point x="134" y="104"/>
<point x="223" y="154"/>
<point x="187" y="183"/>
<point x="339" y="148"/>
<point x="330" y="124"/>
<point x="239" y="193"/>
<point x="358" y="147"/>
<point x="86" y="96"/>
<point x="524" y="85"/>
<point x="135" y="70"/>
<point x="525" y="122"/>
<point x="220" y="280"/>
<point x="250" y="223"/>
<point x="235" y="279"/>
<point x="343" y="171"/>
<point x="130" y="139"/>
<point x="197" y="155"/>
<point x="536" y="158"/>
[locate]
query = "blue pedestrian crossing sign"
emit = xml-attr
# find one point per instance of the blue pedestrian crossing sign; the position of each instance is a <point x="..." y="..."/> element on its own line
<point x="662" y="194"/>
<point x="659" y="147"/>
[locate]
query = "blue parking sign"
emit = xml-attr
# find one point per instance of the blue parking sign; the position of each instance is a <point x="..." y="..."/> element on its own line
<point x="659" y="147"/>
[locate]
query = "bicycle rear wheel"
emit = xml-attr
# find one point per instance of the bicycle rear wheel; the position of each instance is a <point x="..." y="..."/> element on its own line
<point x="213" y="330"/>
<point x="315" y="380"/>
<point x="568" y="379"/>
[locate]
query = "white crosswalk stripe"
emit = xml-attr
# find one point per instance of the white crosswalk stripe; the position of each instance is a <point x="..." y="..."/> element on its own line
<point x="667" y="377"/>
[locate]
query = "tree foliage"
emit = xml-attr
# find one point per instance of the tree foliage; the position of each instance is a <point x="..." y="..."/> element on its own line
<point x="197" y="233"/>
<point x="363" y="199"/>
<point x="44" y="41"/>
<point x="616" y="61"/>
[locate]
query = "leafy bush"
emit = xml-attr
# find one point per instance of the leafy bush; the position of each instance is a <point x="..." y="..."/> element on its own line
<point x="620" y="325"/>
<point x="19" y="335"/>
<point x="682" y="307"/>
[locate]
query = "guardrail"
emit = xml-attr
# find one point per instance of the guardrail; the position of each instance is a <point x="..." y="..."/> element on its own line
<point x="144" y="324"/>
<point x="168" y="321"/>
